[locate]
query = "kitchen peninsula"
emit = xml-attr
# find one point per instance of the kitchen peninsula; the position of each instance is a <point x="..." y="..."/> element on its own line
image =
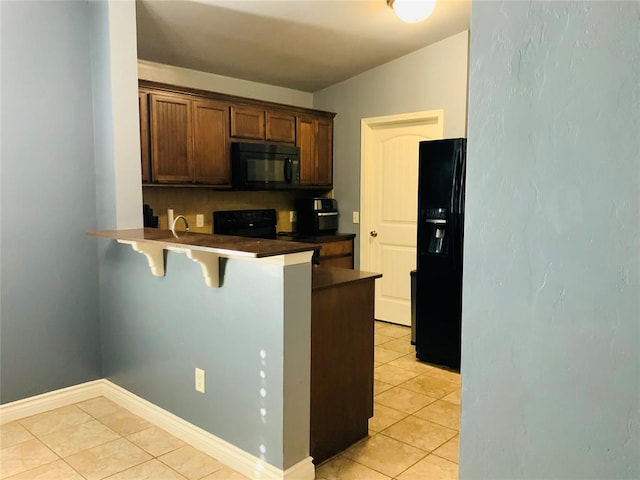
<point x="268" y="338"/>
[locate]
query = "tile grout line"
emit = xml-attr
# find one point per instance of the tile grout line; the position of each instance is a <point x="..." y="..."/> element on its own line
<point x="436" y="399"/>
<point x="125" y="437"/>
<point x="98" y="419"/>
<point x="427" y="453"/>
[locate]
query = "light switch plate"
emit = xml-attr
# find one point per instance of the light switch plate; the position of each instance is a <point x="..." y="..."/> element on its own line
<point x="356" y="217"/>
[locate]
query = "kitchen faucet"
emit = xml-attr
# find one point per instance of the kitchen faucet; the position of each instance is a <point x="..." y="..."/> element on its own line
<point x="173" y="225"/>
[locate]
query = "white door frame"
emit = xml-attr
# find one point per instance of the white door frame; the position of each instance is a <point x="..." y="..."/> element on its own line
<point x="366" y="128"/>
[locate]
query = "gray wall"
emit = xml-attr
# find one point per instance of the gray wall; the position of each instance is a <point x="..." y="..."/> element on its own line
<point x="49" y="291"/>
<point x="105" y="177"/>
<point x="156" y="331"/>
<point x="432" y="78"/>
<point x="551" y="340"/>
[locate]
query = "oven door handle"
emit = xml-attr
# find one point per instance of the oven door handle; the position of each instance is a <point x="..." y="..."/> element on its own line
<point x="288" y="170"/>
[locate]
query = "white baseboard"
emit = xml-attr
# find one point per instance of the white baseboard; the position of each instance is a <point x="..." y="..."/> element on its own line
<point x="232" y="456"/>
<point x="228" y="454"/>
<point x="50" y="400"/>
<point x="304" y="469"/>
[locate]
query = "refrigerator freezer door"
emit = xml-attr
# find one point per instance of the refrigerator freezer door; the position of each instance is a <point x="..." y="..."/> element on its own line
<point x="439" y="261"/>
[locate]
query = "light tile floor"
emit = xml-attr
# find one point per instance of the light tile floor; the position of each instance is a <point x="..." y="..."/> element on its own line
<point x="98" y="439"/>
<point x="413" y="434"/>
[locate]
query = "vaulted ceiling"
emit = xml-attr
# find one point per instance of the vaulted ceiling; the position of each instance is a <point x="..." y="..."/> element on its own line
<point x="302" y="44"/>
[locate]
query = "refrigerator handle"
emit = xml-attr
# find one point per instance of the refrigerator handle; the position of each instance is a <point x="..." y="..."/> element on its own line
<point x="454" y="183"/>
<point x="463" y="165"/>
<point x="457" y="189"/>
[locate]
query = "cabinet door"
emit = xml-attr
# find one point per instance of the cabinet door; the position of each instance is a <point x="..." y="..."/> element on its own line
<point x="338" y="262"/>
<point x="306" y="140"/>
<point x="247" y="122"/>
<point x="324" y="147"/>
<point x="211" y="157"/>
<point x="336" y="249"/>
<point x="337" y="254"/>
<point x="143" y="109"/>
<point x="281" y="127"/>
<point x="171" y="145"/>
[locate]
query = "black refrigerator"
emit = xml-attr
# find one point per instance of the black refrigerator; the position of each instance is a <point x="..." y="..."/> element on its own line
<point x="441" y="176"/>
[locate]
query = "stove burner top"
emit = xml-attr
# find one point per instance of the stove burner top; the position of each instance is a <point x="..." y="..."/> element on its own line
<point x="246" y="223"/>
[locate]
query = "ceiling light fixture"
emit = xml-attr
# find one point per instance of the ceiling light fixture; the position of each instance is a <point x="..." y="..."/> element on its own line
<point x="412" y="11"/>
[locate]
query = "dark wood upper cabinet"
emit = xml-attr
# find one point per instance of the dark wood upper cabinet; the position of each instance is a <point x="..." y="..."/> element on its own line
<point x="315" y="139"/>
<point x="189" y="140"/>
<point x="171" y="144"/>
<point x="281" y="127"/>
<point x="143" y="108"/>
<point x="211" y="163"/>
<point x="306" y="141"/>
<point x="324" y="151"/>
<point x="260" y="124"/>
<point x="186" y="134"/>
<point x="247" y="122"/>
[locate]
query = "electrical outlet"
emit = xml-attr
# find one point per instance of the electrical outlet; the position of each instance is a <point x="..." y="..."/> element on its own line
<point x="199" y="380"/>
<point x="293" y="216"/>
<point x="356" y="217"/>
<point x="200" y="220"/>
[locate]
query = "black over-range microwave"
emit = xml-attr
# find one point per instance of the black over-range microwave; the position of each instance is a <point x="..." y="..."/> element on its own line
<point x="260" y="166"/>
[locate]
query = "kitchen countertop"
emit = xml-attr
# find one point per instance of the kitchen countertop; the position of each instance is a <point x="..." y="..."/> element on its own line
<point x="327" y="277"/>
<point x="227" y="245"/>
<point x="219" y="244"/>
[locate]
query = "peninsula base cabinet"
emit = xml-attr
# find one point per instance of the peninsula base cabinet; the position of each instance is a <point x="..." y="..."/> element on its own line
<point x="342" y="328"/>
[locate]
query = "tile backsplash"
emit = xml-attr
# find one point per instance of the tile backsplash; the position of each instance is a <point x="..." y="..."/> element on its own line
<point x="190" y="201"/>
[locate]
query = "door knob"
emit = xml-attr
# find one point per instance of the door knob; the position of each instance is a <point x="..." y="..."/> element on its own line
<point x="373" y="233"/>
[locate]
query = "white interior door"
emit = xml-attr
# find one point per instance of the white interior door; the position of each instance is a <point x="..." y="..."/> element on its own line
<point x="389" y="205"/>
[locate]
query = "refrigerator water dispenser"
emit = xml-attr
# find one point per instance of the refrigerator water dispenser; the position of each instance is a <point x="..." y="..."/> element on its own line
<point x="437" y="241"/>
<point x="436" y="230"/>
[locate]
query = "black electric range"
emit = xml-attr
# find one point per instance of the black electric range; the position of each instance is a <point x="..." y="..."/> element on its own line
<point x="246" y="223"/>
